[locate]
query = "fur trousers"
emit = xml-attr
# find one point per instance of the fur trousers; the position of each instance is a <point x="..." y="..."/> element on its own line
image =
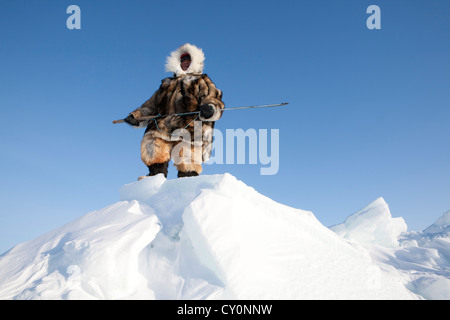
<point x="187" y="156"/>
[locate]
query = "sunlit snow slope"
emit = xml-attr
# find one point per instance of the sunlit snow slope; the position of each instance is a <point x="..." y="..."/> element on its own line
<point x="213" y="237"/>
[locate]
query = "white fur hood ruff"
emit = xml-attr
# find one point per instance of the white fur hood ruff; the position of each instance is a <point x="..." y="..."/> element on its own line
<point x="197" y="58"/>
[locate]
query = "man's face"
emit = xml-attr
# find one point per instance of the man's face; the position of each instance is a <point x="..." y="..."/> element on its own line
<point x="185" y="63"/>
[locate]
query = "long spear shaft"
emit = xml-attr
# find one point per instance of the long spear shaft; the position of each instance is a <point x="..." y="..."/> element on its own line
<point x="195" y="112"/>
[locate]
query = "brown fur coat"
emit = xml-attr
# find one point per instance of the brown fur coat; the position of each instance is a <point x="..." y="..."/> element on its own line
<point x="185" y="92"/>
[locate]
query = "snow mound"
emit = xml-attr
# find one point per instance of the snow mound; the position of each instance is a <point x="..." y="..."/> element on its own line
<point x="373" y="225"/>
<point x="423" y="258"/>
<point x="441" y="227"/>
<point x="206" y="237"/>
<point x="93" y="257"/>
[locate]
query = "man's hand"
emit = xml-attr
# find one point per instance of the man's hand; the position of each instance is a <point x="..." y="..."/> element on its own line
<point x="207" y="111"/>
<point x="131" y="121"/>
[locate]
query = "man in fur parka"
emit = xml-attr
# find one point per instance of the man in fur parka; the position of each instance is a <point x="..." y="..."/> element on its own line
<point x="167" y="137"/>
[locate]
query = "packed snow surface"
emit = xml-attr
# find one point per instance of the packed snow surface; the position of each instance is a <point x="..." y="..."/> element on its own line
<point x="213" y="237"/>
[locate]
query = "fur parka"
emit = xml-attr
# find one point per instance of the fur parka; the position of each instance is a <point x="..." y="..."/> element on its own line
<point x="184" y="92"/>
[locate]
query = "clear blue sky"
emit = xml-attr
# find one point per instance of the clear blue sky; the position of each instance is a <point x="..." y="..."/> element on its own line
<point x="369" y="111"/>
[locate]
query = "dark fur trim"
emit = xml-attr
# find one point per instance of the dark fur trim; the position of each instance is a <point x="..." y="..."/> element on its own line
<point x="187" y="174"/>
<point x="157" y="168"/>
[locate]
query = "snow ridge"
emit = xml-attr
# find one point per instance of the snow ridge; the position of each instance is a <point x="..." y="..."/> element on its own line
<point x="373" y="224"/>
<point x="214" y="237"/>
